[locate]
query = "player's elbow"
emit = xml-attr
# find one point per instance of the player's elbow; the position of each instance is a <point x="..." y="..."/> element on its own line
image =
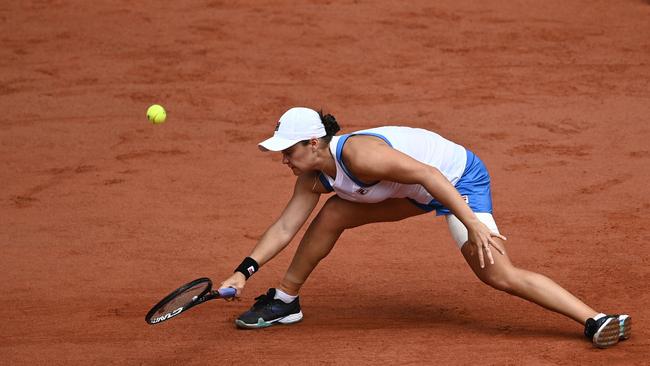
<point x="426" y="175"/>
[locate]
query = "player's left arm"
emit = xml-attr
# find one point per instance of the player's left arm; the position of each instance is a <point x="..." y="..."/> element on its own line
<point x="382" y="162"/>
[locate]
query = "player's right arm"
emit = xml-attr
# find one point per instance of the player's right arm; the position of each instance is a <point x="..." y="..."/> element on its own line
<point x="280" y="233"/>
<point x="305" y="196"/>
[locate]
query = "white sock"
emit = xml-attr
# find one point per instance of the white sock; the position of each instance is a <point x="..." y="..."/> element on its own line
<point x="598" y="316"/>
<point x="285" y="297"/>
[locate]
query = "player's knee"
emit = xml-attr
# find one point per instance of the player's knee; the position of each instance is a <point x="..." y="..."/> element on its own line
<point x="333" y="215"/>
<point x="505" y="281"/>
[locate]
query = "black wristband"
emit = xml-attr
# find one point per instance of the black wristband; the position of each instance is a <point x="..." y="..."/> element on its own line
<point x="247" y="267"/>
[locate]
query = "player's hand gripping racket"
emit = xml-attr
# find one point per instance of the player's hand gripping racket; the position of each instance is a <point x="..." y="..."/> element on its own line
<point x="184" y="298"/>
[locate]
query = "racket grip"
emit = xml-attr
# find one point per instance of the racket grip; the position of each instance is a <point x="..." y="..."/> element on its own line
<point x="227" y="292"/>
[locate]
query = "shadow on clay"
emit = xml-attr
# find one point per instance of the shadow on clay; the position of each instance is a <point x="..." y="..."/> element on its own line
<point x="381" y="314"/>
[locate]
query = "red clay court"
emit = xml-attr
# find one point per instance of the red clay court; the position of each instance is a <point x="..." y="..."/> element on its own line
<point x="103" y="213"/>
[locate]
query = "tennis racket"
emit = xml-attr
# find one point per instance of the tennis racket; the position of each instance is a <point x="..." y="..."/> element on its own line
<point x="184" y="298"/>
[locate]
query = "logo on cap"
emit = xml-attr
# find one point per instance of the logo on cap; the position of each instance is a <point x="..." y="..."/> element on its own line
<point x="277" y="127"/>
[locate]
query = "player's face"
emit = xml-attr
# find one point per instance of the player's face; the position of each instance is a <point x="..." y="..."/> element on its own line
<point x="299" y="158"/>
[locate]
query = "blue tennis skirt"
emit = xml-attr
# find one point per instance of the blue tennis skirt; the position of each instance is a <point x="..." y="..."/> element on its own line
<point x="473" y="186"/>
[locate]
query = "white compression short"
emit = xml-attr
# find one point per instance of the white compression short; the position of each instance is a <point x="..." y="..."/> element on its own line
<point x="459" y="231"/>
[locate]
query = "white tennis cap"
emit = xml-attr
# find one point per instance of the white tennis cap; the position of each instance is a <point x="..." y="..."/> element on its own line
<point x="295" y="125"/>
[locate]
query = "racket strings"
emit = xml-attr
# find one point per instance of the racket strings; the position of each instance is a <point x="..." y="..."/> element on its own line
<point x="182" y="299"/>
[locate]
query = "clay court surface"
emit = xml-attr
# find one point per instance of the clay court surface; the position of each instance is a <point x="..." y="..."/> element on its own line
<point x="103" y="213"/>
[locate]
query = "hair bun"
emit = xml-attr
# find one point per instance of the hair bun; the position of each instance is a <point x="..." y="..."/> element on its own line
<point x="331" y="126"/>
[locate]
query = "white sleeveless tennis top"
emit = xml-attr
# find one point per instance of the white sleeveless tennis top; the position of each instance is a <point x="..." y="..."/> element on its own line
<point x="422" y="145"/>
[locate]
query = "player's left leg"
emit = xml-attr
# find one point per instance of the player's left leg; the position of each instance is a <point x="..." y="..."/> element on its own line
<point x="534" y="287"/>
<point x="336" y="216"/>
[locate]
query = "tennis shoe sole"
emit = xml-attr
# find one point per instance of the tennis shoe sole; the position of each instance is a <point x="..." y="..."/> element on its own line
<point x="608" y="334"/>
<point x="261" y="323"/>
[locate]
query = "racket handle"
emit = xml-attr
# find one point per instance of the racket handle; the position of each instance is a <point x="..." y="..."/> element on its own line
<point x="227" y="292"/>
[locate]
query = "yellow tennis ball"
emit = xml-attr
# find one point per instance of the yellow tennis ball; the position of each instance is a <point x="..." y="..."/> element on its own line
<point x="156" y="114"/>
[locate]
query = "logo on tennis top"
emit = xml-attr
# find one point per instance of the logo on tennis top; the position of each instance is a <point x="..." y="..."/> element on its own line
<point x="465" y="198"/>
<point x="250" y="270"/>
<point x="167" y="316"/>
<point x="362" y="191"/>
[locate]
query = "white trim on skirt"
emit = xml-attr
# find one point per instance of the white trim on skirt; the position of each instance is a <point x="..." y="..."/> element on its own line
<point x="459" y="232"/>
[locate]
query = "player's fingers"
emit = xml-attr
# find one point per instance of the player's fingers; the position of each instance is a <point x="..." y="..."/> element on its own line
<point x="481" y="260"/>
<point x="229" y="298"/>
<point x="498" y="246"/>
<point x="489" y="253"/>
<point x="227" y="285"/>
<point x="234" y="298"/>
<point x="500" y="236"/>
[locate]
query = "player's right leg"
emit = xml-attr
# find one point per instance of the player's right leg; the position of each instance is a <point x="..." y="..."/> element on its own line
<point x="336" y="215"/>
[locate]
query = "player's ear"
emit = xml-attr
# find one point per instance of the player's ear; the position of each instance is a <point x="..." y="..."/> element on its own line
<point x="314" y="142"/>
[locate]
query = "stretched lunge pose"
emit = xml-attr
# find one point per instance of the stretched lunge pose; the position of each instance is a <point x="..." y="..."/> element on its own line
<point x="388" y="174"/>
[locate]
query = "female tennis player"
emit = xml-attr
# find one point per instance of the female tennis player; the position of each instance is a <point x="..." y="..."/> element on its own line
<point x="388" y="174"/>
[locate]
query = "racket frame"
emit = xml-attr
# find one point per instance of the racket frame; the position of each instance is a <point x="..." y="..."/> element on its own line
<point x="205" y="295"/>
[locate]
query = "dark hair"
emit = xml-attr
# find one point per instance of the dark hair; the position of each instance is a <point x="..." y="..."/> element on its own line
<point x="331" y="127"/>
